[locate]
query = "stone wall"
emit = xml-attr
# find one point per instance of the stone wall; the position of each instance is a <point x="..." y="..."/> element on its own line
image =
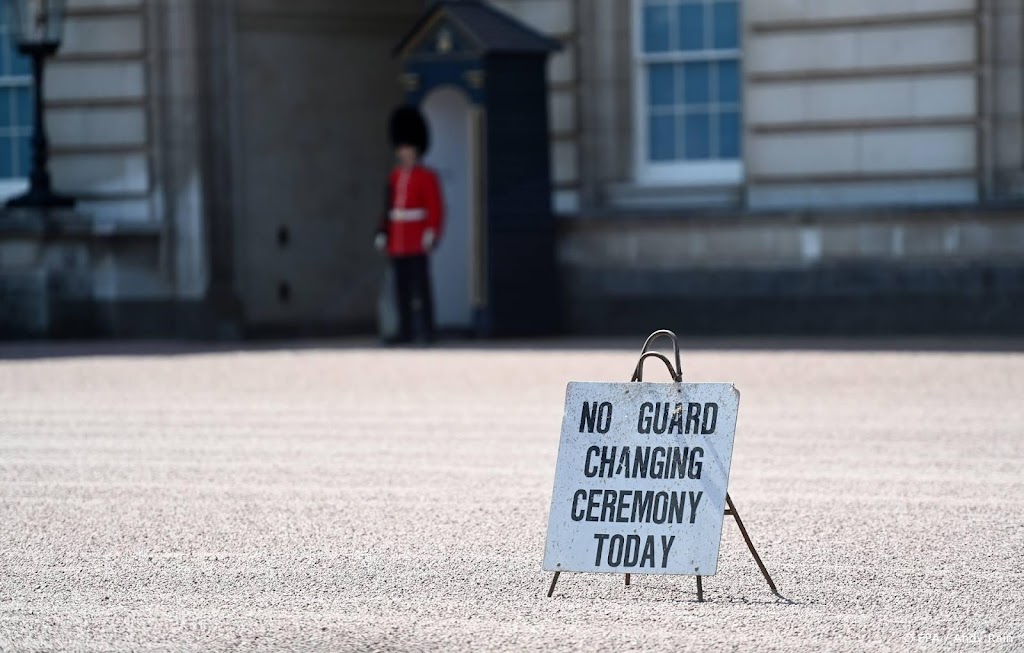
<point x="864" y="122"/>
<point x="1003" y="21"/>
<point x="845" y="103"/>
<point x="97" y="93"/>
<point x="861" y="103"/>
<point x="314" y="83"/>
<point x="845" y="273"/>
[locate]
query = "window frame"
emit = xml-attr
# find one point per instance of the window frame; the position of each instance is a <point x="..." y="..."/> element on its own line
<point x="679" y="172"/>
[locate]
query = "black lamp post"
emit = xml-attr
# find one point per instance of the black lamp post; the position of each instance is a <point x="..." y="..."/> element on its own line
<point x="38" y="27"/>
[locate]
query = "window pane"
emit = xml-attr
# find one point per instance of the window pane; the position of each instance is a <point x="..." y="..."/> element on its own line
<point x="727" y="25"/>
<point x="662" y="138"/>
<point x="656" y="28"/>
<point x="22" y="107"/>
<point x="696" y="83"/>
<point x="729" y="81"/>
<point x="697" y="136"/>
<point x="691" y="26"/>
<point x="660" y="85"/>
<point x="20" y="64"/>
<point x="7" y="49"/>
<point x="7" y="157"/>
<point x="729" y="135"/>
<point x="6" y="106"/>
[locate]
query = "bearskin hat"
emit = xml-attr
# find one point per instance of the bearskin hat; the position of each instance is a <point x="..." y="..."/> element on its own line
<point x="407" y="127"/>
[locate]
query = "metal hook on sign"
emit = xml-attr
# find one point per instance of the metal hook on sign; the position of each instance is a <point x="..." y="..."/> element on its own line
<point x="665" y="333"/>
<point x="638" y="373"/>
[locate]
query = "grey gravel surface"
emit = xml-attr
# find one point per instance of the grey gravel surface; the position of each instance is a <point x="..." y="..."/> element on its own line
<point x="339" y="497"/>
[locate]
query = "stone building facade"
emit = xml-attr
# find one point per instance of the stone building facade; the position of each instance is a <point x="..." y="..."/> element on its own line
<point x="877" y="186"/>
<point x="718" y="166"/>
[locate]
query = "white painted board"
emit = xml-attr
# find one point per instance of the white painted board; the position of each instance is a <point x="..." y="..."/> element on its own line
<point x="641" y="478"/>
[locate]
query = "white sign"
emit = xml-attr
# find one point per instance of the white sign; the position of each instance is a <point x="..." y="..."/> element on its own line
<point x="642" y="473"/>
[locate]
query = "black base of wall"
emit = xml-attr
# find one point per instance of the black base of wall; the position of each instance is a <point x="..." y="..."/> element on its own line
<point x="839" y="300"/>
<point x="842" y="300"/>
<point x="132" y="319"/>
<point x="192" y="320"/>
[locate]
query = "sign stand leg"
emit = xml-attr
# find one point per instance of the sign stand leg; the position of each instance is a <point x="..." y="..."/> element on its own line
<point x="554" y="579"/>
<point x="700" y="590"/>
<point x="627" y="580"/>
<point x="731" y="510"/>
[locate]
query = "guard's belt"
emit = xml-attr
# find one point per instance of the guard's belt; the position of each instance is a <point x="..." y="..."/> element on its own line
<point x="408" y="215"/>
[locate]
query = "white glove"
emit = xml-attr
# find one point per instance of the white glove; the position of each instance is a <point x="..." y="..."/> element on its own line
<point x="380" y="241"/>
<point x="428" y="240"/>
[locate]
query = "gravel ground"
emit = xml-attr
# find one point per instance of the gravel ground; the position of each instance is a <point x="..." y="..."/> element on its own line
<point x="337" y="497"/>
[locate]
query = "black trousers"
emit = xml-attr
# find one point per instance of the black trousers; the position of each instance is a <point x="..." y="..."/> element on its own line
<point x="415" y="300"/>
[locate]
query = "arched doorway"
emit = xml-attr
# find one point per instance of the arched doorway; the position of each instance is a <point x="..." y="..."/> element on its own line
<point x="452" y="154"/>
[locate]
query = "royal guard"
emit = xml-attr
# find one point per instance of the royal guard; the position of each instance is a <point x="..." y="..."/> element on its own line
<point x="411" y="226"/>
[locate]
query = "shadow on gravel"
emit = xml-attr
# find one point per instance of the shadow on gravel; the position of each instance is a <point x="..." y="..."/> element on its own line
<point x="778" y="600"/>
<point x="710" y="596"/>
<point x="675" y="595"/>
<point x="37" y="349"/>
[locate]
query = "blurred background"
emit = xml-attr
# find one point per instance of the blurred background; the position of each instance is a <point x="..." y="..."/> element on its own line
<point x="710" y="166"/>
<point x="214" y="172"/>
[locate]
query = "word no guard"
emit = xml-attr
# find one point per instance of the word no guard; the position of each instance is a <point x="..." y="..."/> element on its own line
<point x="641" y="479"/>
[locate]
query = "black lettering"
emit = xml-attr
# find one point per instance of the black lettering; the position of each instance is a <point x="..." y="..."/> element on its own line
<point x="642" y="503"/>
<point x="666" y="546"/>
<point x="588" y="419"/>
<point x="692" y="417"/>
<point x="615" y="547"/>
<point x="625" y="506"/>
<point x="625" y="501"/>
<point x="641" y="458"/>
<point x="577" y="496"/>
<point x="695" y="498"/>
<point x="660" y="411"/>
<point x="660" y="509"/>
<point x="604" y="417"/>
<point x="658" y="462"/>
<point x="643" y="422"/>
<point x="695" y="464"/>
<point x="592" y="503"/>
<point x="632" y="552"/>
<point x="710" y="409"/>
<point x="648" y="555"/>
<point x="608" y="506"/>
<point x="677" y="507"/>
<point x="677" y="463"/>
<point x="588" y="470"/>
<point x="597" y="416"/>
<point x="607" y="462"/>
<point x="676" y="425"/>
<point x="601" y="537"/>
<point x="623" y="462"/>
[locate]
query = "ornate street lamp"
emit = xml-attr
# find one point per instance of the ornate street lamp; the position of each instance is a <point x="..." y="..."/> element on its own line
<point x="37" y="27"/>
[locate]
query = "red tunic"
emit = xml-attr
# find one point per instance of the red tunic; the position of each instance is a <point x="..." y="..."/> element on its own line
<point x="416" y="206"/>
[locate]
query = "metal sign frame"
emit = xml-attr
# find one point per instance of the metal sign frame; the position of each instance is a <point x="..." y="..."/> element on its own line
<point x="677" y="375"/>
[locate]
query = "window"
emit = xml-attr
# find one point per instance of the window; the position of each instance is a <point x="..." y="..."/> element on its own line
<point x="688" y="85"/>
<point x="15" y="110"/>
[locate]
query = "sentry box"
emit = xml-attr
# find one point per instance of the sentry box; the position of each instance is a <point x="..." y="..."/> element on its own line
<point x="479" y="76"/>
